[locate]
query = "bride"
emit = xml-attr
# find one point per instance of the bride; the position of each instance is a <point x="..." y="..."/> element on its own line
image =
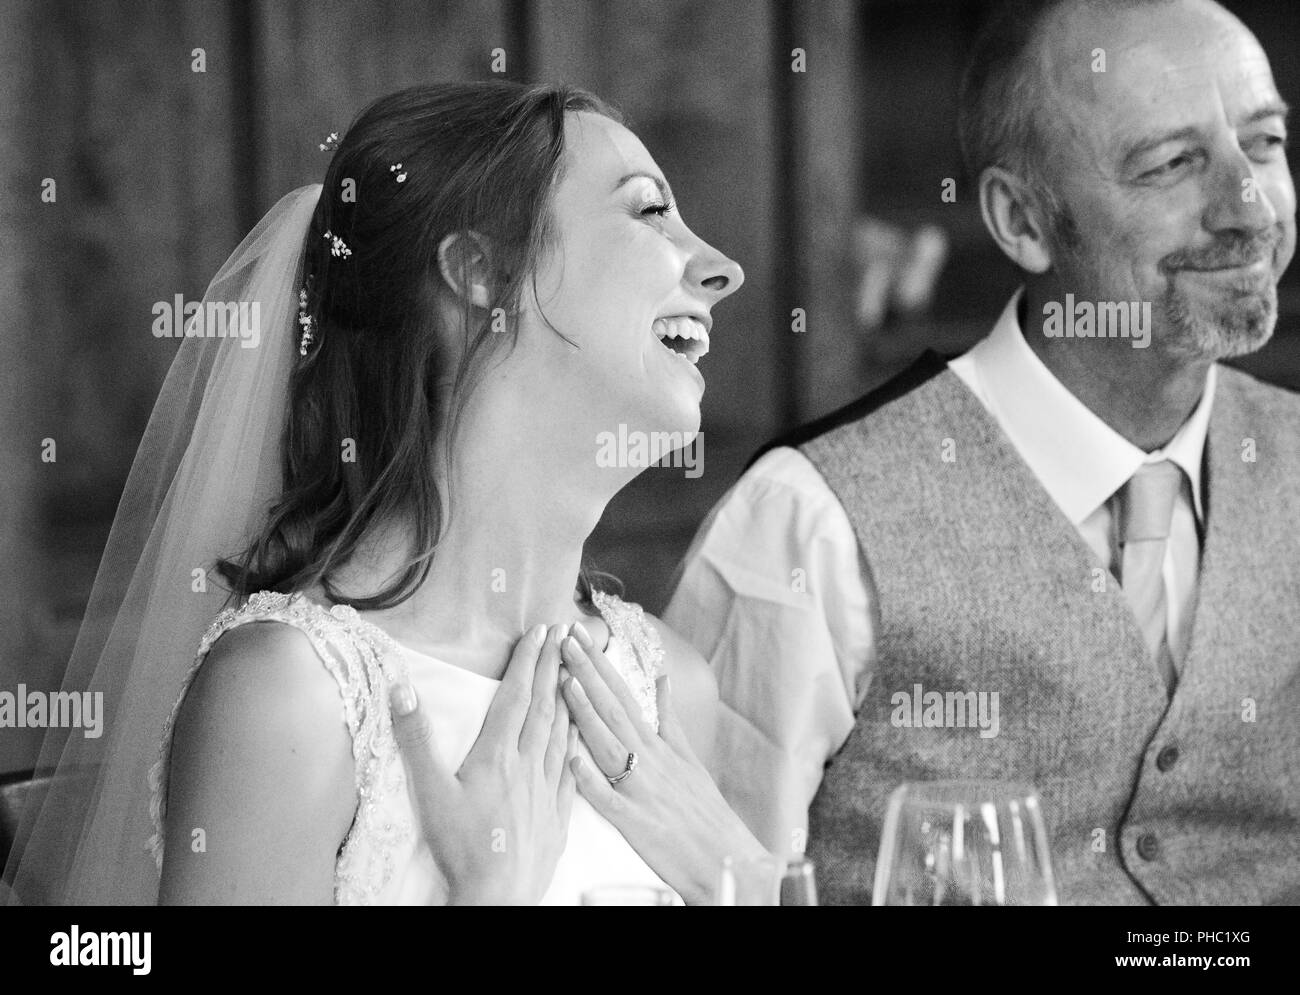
<point x="438" y="704"/>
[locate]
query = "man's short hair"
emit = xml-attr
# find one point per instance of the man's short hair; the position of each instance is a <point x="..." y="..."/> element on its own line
<point x="1001" y="90"/>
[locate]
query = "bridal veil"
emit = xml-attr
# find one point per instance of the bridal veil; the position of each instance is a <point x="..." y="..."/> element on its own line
<point x="207" y="468"/>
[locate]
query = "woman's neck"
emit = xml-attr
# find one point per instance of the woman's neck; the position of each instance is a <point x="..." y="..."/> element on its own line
<point x="508" y="559"/>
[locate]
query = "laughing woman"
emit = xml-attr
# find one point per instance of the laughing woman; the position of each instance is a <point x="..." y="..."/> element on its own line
<point x="490" y="277"/>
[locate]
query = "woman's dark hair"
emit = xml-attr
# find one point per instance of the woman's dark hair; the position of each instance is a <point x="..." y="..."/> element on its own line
<point x="477" y="157"/>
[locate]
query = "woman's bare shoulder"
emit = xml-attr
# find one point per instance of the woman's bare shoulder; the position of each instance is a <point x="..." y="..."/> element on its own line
<point x="261" y="759"/>
<point x="694" y="688"/>
<point x="684" y="664"/>
<point x="271" y="667"/>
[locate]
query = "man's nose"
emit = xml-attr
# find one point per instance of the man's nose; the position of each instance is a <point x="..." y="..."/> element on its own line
<point x="1239" y="198"/>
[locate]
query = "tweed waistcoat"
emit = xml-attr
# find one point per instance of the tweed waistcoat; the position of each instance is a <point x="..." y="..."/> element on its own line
<point x="985" y="585"/>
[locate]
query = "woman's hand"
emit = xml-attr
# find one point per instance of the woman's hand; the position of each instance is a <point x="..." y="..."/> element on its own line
<point x="497" y="826"/>
<point x="668" y="808"/>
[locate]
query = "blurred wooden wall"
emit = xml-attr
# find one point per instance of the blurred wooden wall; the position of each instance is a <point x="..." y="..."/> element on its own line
<point x="161" y="170"/>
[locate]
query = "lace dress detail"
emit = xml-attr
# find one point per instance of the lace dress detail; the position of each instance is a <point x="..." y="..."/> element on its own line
<point x="365" y="661"/>
<point x="628" y="624"/>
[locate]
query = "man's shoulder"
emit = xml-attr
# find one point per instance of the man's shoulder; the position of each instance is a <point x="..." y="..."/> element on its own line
<point x="922" y="371"/>
<point x="1244" y="391"/>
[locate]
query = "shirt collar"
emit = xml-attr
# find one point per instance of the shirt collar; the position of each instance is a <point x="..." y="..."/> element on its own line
<point x="1079" y="459"/>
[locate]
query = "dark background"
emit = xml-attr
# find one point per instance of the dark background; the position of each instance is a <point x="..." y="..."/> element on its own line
<point x="161" y="171"/>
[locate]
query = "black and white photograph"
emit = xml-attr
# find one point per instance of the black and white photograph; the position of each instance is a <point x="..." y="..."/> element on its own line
<point x="650" y="452"/>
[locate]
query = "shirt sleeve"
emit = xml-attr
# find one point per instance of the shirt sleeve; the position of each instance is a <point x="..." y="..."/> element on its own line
<point x="774" y="594"/>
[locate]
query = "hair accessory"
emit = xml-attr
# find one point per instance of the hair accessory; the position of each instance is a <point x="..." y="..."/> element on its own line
<point x="331" y="142"/>
<point x="304" y="319"/>
<point x="401" y="177"/>
<point x="337" y="246"/>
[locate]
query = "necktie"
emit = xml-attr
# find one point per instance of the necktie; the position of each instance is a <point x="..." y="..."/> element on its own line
<point x="1145" y="511"/>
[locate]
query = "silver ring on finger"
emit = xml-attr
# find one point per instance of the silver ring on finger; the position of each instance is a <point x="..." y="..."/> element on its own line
<point x="627" y="771"/>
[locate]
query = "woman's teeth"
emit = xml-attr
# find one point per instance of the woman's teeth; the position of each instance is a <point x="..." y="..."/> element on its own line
<point x="683" y="336"/>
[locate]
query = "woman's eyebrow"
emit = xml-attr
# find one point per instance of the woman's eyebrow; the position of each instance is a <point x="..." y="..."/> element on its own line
<point x="665" y="190"/>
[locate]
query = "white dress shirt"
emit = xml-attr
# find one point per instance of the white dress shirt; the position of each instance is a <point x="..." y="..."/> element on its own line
<point x="772" y="591"/>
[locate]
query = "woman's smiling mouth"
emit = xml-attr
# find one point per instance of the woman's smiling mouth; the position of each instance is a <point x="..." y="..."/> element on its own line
<point x="683" y="335"/>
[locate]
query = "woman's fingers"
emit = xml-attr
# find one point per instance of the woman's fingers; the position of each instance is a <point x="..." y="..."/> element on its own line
<point x="568" y="785"/>
<point x="597" y="790"/>
<point x="608" y="750"/>
<point x="612" y="678"/>
<point x="536" y="731"/>
<point x="505" y="717"/>
<point x="603" y="696"/>
<point x="432" y="782"/>
<point x="557" y="746"/>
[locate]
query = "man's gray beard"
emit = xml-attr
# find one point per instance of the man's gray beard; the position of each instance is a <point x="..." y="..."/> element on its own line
<point x="1238" y="327"/>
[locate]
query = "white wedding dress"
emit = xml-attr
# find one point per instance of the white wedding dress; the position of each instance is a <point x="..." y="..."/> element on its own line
<point x="383" y="859"/>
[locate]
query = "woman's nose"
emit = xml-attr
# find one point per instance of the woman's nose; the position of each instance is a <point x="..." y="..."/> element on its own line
<point x="717" y="274"/>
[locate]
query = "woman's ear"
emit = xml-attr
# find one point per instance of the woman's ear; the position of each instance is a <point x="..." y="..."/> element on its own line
<point x="465" y="264"/>
<point x="1012" y="216"/>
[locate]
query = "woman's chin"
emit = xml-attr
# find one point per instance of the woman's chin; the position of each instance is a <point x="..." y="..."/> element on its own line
<point x="680" y="410"/>
<point x="685" y="369"/>
<point x="680" y="429"/>
<point x="667" y="424"/>
<point x="642" y="443"/>
<point x="682" y="418"/>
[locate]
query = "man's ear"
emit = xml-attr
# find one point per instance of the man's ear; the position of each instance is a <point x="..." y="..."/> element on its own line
<point x="465" y="265"/>
<point x="1013" y="217"/>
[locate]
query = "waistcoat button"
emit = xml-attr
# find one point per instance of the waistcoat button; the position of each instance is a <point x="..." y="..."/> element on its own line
<point x="1148" y="847"/>
<point x="1166" y="758"/>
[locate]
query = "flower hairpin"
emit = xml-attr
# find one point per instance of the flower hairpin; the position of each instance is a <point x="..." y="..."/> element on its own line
<point x="331" y="142"/>
<point x="304" y="319"/>
<point x="401" y="177"/>
<point x="337" y="246"/>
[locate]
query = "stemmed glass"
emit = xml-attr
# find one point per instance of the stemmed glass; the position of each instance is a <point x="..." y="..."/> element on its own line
<point x="964" y="843"/>
<point x="767" y="880"/>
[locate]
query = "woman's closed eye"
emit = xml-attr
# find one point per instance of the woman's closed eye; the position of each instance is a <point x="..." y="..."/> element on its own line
<point x="658" y="208"/>
<point x="649" y="197"/>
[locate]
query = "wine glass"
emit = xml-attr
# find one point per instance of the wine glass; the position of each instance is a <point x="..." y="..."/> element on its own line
<point x="799" y="883"/>
<point x="750" y="881"/>
<point x="964" y="843"/>
<point x="767" y="880"/>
